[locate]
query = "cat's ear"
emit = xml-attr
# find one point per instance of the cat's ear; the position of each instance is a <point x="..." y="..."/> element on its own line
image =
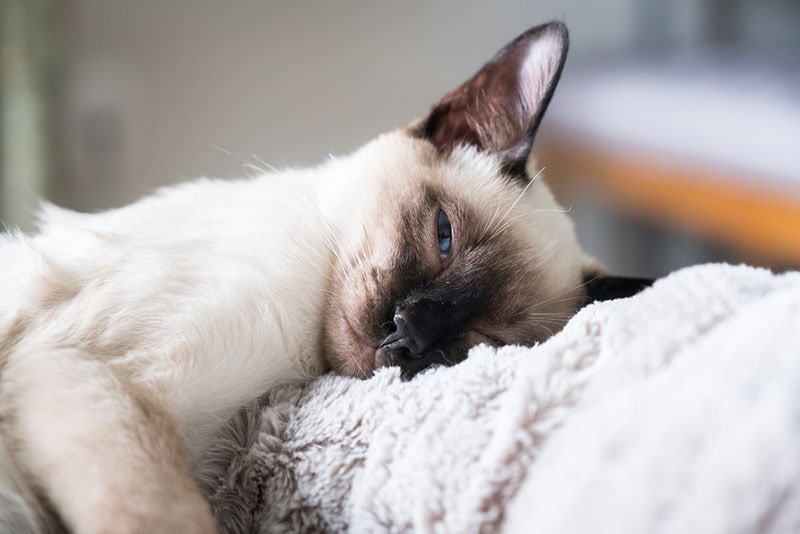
<point x="499" y="109"/>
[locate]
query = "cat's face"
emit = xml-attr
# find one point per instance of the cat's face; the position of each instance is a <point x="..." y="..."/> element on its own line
<point x="458" y="251"/>
<point x="457" y="241"/>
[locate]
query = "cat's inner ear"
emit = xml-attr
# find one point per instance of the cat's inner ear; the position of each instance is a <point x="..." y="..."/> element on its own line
<point x="499" y="109"/>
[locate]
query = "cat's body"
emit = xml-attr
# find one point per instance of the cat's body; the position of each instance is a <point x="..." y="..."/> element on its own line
<point x="127" y="338"/>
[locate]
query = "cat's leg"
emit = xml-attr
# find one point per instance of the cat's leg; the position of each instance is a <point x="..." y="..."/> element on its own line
<point x="108" y="458"/>
<point x="20" y="512"/>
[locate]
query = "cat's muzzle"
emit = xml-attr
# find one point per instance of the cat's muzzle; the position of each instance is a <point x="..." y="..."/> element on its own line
<point x="420" y="328"/>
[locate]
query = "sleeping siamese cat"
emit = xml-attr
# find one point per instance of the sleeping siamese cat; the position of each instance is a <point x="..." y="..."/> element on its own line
<point x="129" y="337"/>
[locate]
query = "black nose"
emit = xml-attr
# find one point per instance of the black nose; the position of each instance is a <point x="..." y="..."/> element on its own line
<point x="418" y="326"/>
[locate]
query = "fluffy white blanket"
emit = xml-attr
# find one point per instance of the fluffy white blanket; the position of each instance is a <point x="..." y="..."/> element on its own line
<point x="677" y="410"/>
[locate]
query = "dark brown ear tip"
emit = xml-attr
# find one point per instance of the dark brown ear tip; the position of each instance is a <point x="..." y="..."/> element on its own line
<point x="557" y="26"/>
<point x="560" y="26"/>
<point x="554" y="26"/>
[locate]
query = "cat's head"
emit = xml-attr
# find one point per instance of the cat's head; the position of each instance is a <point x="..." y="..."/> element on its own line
<point x="455" y="239"/>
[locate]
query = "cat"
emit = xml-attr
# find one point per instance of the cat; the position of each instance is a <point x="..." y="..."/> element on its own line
<point x="129" y="337"/>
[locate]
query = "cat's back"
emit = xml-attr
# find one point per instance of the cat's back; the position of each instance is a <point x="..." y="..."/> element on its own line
<point x="209" y="292"/>
<point x="208" y="269"/>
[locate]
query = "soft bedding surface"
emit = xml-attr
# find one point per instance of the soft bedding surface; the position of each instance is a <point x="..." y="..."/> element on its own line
<point x="677" y="410"/>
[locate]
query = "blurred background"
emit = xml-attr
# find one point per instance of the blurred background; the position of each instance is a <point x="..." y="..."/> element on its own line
<point x="674" y="137"/>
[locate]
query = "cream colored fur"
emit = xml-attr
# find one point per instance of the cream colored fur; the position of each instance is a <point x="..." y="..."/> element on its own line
<point x="127" y="338"/>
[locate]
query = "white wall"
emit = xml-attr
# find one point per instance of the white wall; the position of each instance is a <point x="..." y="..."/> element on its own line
<point x="156" y="86"/>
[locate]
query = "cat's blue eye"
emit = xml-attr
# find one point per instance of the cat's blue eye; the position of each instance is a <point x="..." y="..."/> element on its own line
<point x="444" y="234"/>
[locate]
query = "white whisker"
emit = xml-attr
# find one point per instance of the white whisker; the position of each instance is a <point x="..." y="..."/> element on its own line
<point x="224" y="150"/>
<point x="502" y="226"/>
<point x="269" y="166"/>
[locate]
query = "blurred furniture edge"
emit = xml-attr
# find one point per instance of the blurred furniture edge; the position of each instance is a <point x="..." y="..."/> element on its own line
<point x="706" y="145"/>
<point x="761" y="224"/>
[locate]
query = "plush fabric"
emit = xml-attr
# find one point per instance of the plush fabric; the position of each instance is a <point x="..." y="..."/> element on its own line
<point x="677" y="410"/>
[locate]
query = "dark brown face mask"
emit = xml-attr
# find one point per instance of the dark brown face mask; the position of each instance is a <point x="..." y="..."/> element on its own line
<point x="614" y="287"/>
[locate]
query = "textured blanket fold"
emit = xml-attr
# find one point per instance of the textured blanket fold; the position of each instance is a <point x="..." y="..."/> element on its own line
<point x="677" y="410"/>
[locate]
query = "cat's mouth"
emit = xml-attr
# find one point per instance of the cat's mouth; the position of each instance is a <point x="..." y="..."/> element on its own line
<point x="447" y="353"/>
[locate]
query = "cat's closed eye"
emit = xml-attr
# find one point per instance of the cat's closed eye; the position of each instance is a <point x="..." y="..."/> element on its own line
<point x="444" y="235"/>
